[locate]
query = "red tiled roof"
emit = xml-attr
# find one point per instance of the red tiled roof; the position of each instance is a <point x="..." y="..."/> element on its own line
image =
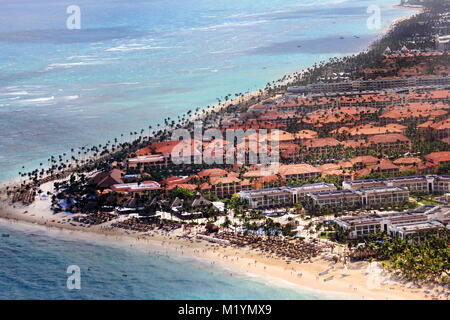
<point x="224" y="180"/>
<point x="296" y="169"/>
<point x="386" y="138"/>
<point x="216" y="172"/>
<point x="437" y="157"/>
<point x="364" y="160"/>
<point x="188" y="186"/>
<point x="328" y="166"/>
<point x="321" y="142"/>
<point x="136" y="187"/>
<point x="405" y="161"/>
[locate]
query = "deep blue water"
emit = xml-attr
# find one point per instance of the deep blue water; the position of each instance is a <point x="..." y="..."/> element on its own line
<point x="133" y="63"/>
<point x="33" y="265"/>
<point x="130" y="65"/>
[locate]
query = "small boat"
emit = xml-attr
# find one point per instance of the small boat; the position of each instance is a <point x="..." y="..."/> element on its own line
<point x="5" y="235"/>
<point x="341" y="37"/>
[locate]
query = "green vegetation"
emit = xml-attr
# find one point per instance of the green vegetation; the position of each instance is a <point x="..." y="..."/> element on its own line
<point x="425" y="198"/>
<point x="184" y="194"/>
<point x="444" y="169"/>
<point x="420" y="260"/>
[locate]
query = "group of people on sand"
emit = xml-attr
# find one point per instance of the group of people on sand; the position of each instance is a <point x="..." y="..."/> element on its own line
<point x="295" y="250"/>
<point x="140" y="225"/>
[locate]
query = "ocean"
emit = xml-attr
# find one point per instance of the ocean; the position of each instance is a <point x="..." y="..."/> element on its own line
<point x="133" y="63"/>
<point x="130" y="65"/>
<point x="34" y="263"/>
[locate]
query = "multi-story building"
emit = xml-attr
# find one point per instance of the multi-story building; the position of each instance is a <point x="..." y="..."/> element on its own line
<point x="360" y="227"/>
<point x="225" y="186"/>
<point x="361" y="162"/>
<point x="282" y="195"/>
<point x="415" y="184"/>
<point x="154" y="160"/>
<point x="366" y="198"/>
<point x="269" y="197"/>
<point x="335" y="199"/>
<point x="371" y="85"/>
<point x="365" y="183"/>
<point x="133" y="188"/>
<point x="392" y="141"/>
<point x="325" y="148"/>
<point x="301" y="171"/>
<point x="441" y="184"/>
<point x="438" y="158"/>
<point x="407" y="229"/>
<point x="443" y="43"/>
<point x="384" y="166"/>
<point x="397" y="224"/>
<point x="383" y="195"/>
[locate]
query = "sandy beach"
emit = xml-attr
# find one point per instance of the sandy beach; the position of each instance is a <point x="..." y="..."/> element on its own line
<point x="339" y="281"/>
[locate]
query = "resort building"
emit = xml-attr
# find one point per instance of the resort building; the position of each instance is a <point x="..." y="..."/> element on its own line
<point x="104" y="180"/>
<point x="301" y="171"/>
<point x="370" y="85"/>
<point x="412" y="222"/>
<point x="415" y="184"/>
<point x="441" y="128"/>
<point x="282" y="195"/>
<point x="225" y="186"/>
<point x="335" y="199"/>
<point x="441" y="184"/>
<point x="408" y="229"/>
<point x="364" y="183"/>
<point x="397" y="224"/>
<point x="136" y="187"/>
<point x="363" y="161"/>
<point x="443" y="43"/>
<point x="360" y="227"/>
<point x="326" y="148"/>
<point x="154" y="160"/>
<point x="383" y="195"/>
<point x="209" y="173"/>
<point x="366" y="198"/>
<point x="392" y="141"/>
<point x="383" y="166"/>
<point x="269" y="197"/>
<point x="441" y="214"/>
<point x="438" y="158"/>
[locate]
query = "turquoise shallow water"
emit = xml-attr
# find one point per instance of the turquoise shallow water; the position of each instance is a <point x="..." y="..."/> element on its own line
<point x="130" y="65"/>
<point x="33" y="265"/>
<point x="133" y="63"/>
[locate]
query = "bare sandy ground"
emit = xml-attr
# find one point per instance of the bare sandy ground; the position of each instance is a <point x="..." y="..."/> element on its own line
<point x="350" y="281"/>
<point x="336" y="280"/>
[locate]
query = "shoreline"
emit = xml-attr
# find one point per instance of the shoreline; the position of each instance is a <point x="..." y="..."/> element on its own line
<point x="255" y="93"/>
<point x="247" y="262"/>
<point x="157" y="247"/>
<point x="419" y="9"/>
<point x="244" y="261"/>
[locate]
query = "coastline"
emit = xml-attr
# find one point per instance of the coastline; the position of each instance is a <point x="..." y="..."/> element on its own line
<point x="349" y="282"/>
<point x="253" y="94"/>
<point x="407" y="7"/>
<point x="243" y="261"/>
